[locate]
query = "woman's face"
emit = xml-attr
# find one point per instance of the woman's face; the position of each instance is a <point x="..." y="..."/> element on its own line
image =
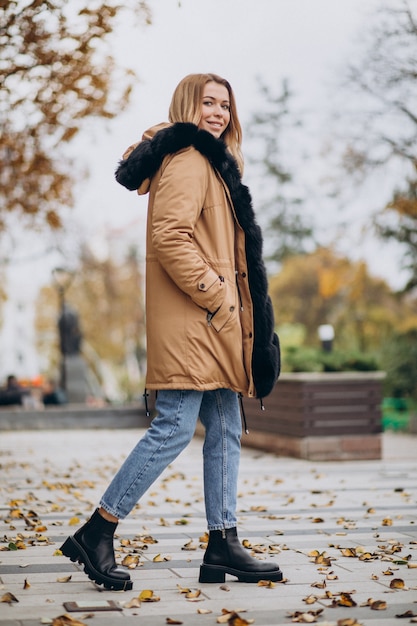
<point x="215" y="110"/>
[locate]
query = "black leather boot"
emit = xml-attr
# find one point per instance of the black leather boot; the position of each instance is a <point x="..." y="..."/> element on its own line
<point x="226" y="555"/>
<point x="92" y="545"/>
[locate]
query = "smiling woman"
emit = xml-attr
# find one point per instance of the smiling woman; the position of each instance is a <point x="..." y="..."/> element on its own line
<point x="210" y="325"/>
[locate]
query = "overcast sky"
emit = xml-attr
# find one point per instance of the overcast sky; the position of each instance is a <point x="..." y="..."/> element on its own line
<point x="306" y="41"/>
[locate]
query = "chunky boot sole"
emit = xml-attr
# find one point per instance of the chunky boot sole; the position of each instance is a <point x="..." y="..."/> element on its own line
<point x="74" y="551"/>
<point x="217" y="574"/>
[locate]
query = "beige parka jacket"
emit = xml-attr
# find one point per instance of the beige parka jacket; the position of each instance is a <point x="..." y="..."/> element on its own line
<point x="202" y="313"/>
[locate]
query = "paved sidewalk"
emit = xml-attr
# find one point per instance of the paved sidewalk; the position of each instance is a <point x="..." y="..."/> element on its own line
<point x="335" y="528"/>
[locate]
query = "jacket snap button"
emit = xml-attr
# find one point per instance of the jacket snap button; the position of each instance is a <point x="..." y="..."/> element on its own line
<point x="250" y="335"/>
<point x="202" y="285"/>
<point x="243" y="274"/>
<point x="232" y="308"/>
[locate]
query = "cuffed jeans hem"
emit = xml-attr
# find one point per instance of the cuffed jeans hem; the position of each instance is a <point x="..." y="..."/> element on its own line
<point x="110" y="510"/>
<point x="224" y="526"/>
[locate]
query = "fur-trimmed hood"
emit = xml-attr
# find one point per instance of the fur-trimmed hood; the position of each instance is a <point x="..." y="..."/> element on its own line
<point x="142" y="164"/>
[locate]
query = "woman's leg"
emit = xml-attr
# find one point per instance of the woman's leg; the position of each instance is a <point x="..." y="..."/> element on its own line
<point x="169" y="433"/>
<point x="220" y="415"/>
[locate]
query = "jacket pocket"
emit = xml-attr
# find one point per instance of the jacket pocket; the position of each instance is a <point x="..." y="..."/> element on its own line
<point x="226" y="310"/>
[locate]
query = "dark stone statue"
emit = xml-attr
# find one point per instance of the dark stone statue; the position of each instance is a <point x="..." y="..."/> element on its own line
<point x="69" y="332"/>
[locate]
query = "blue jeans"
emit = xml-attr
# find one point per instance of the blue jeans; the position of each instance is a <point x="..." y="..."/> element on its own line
<point x="169" y="433"/>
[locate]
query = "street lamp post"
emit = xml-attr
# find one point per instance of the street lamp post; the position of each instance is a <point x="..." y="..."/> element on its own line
<point x="326" y="335"/>
<point x="62" y="278"/>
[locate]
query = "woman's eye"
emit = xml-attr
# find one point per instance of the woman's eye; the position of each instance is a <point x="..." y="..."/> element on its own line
<point x="226" y="107"/>
<point x="207" y="103"/>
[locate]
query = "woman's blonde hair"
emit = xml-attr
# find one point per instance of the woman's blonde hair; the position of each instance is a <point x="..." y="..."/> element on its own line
<point x="186" y="106"/>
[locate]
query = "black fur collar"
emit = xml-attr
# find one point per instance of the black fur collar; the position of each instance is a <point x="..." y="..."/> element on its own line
<point x="144" y="162"/>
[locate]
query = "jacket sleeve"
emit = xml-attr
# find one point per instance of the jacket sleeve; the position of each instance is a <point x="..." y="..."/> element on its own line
<point x="178" y="202"/>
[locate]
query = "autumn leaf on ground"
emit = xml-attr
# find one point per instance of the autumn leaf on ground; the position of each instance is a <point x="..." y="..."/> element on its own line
<point x="169" y="620"/>
<point x="349" y="552"/>
<point x="368" y="556"/>
<point x="160" y="559"/>
<point x="190" y="595"/>
<point x="17" y="545"/>
<point x="232" y="618"/>
<point x="407" y="614"/>
<point x="189" y="546"/>
<point x="376" y="605"/>
<point x="147" y="596"/>
<point x="387" y="521"/>
<point x="131" y="561"/>
<point x="321" y="584"/>
<point x="305" y="617"/>
<point x="310" y="599"/>
<point x="204" y="611"/>
<point x="345" y="599"/>
<point x="26" y="584"/>
<point x="397" y="583"/>
<point x="67" y="620"/>
<point x="266" y="583"/>
<point x="8" y="597"/>
<point x="40" y="529"/>
<point x="64" y="579"/>
<point x="74" y="521"/>
<point x="348" y="621"/>
<point x="146" y="539"/>
<point x="134" y="603"/>
<point x="320" y="558"/>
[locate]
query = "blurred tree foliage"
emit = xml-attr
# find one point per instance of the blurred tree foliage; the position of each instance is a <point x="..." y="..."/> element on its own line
<point x="56" y="72"/>
<point x="108" y="297"/>
<point x="399" y="356"/>
<point x="403" y="228"/>
<point x="3" y="295"/>
<point x="288" y="232"/>
<point x="385" y="130"/>
<point x="325" y="288"/>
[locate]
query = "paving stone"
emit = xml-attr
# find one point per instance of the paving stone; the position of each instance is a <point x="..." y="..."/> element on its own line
<point x="61" y="474"/>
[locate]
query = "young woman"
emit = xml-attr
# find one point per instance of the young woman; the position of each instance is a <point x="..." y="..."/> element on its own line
<point x="210" y="325"/>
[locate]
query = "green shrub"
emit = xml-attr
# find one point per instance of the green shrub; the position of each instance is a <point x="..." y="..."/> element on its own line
<point x="304" y="359"/>
<point x="399" y="361"/>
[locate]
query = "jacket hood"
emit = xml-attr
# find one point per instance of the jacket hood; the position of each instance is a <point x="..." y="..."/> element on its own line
<point x="145" y="158"/>
<point x="143" y="162"/>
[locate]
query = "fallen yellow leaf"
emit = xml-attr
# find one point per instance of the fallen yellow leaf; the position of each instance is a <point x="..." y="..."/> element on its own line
<point x="8" y="597"/>
<point x="147" y="596"/>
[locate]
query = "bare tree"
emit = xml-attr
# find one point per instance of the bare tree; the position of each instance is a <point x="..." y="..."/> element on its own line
<point x="288" y="231"/>
<point x="384" y="129"/>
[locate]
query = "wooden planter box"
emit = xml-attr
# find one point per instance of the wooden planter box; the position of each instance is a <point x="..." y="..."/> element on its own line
<point x="319" y="416"/>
